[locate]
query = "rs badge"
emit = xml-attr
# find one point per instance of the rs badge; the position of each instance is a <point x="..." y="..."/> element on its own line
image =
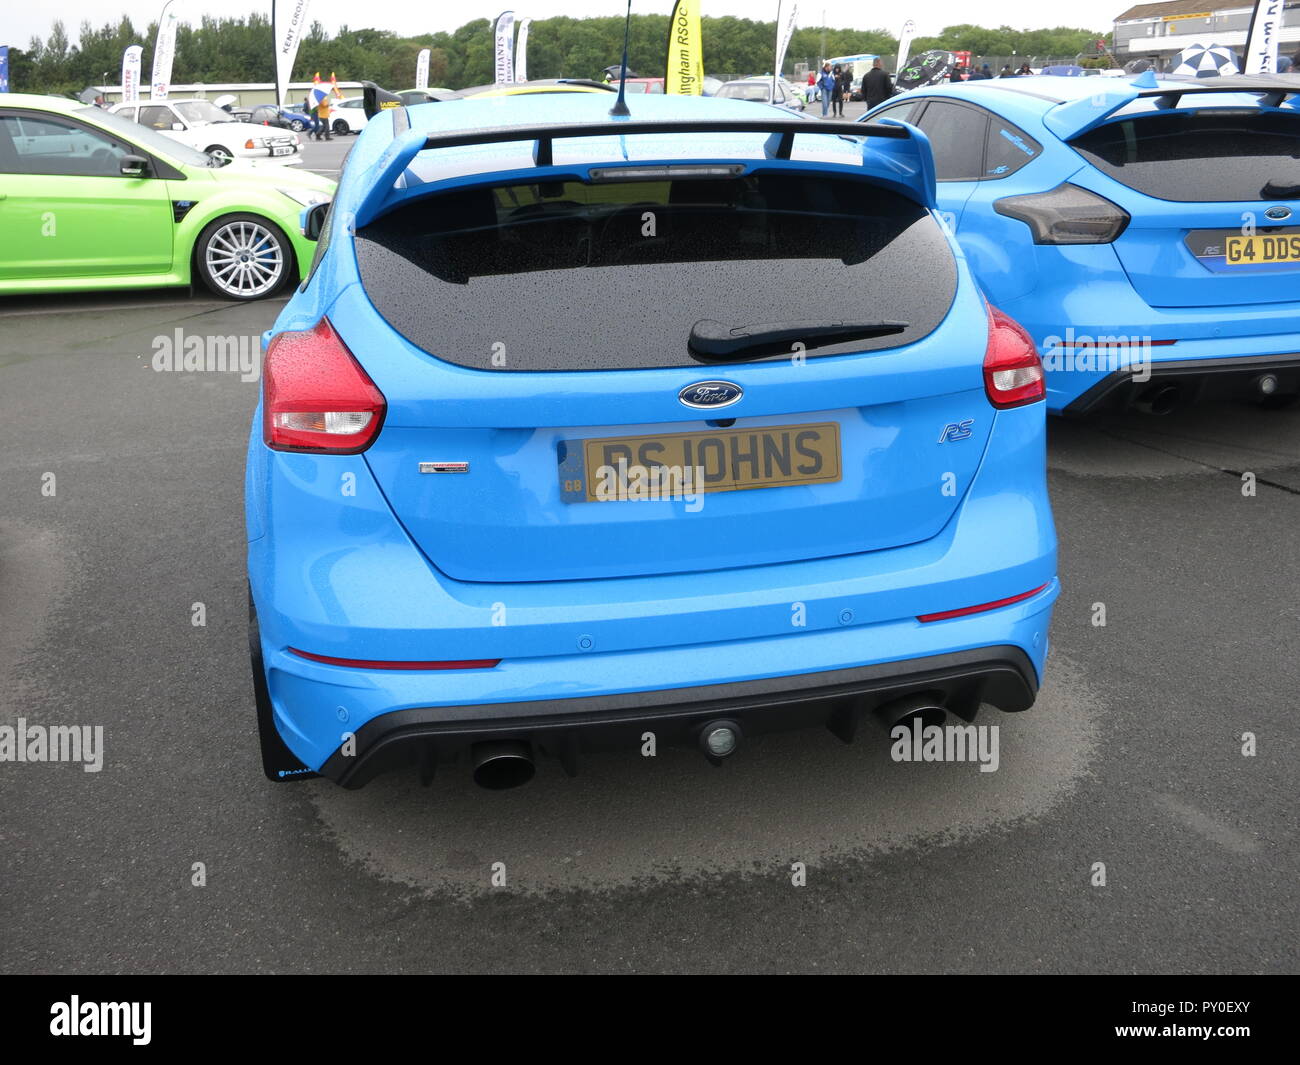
<point x="956" y="431"/>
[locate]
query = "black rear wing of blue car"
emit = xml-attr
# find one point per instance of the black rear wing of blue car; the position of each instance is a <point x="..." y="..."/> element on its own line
<point x="407" y="143"/>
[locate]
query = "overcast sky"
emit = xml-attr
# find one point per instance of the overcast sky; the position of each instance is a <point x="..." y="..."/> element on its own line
<point x="19" y="22"/>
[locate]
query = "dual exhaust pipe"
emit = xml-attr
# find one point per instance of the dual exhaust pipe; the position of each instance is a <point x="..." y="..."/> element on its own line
<point x="502" y="764"/>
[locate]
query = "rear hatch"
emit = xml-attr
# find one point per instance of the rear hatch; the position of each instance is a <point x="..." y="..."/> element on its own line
<point x="1214" y="196"/>
<point x="569" y="397"/>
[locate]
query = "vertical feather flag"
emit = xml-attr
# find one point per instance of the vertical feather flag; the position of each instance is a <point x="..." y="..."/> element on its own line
<point x="685" y="66"/>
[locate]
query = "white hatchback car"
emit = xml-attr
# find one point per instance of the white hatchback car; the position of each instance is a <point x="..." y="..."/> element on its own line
<point x="202" y="125"/>
<point x="347" y="115"/>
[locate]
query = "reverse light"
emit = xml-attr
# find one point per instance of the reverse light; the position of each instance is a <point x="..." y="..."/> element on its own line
<point x="962" y="612"/>
<point x="315" y="395"/>
<point x="1013" y="372"/>
<point x="1066" y="215"/>
<point x="362" y="663"/>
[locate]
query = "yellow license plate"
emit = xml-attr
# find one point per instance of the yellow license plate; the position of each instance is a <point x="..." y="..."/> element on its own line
<point x="672" y="465"/>
<point x="1252" y="251"/>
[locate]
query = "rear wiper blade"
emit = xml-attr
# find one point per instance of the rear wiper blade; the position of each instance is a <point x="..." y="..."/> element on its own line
<point x="715" y="340"/>
<point x="1273" y="191"/>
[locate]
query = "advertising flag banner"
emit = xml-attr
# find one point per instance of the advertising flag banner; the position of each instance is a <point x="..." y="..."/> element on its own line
<point x="905" y="36"/>
<point x="783" y="35"/>
<point x="288" y="24"/>
<point x="4" y="68"/>
<point x="422" y="69"/>
<point x="1261" y="38"/>
<point x="164" y="51"/>
<point x="521" y="51"/>
<point x="685" y="68"/>
<point x="505" y="40"/>
<point x="131" y="74"/>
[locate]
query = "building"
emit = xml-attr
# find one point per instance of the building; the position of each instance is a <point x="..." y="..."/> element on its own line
<point x="247" y="94"/>
<point x="1158" y="31"/>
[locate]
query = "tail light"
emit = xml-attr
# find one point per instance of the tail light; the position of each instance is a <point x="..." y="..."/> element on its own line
<point x="1066" y="215"/>
<point x="1013" y="372"/>
<point x="316" y="396"/>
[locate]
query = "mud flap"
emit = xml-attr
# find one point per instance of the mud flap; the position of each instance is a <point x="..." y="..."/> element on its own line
<point x="278" y="762"/>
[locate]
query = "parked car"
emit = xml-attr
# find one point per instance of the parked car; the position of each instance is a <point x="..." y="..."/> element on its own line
<point x="349" y="115"/>
<point x="644" y="85"/>
<point x="759" y="90"/>
<point x="606" y="482"/>
<point x="137" y="209"/>
<point x="540" y="85"/>
<point x="270" y="115"/>
<point x="208" y="128"/>
<point x="1145" y="231"/>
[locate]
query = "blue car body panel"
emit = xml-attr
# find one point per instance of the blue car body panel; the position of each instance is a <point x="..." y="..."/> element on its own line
<point x="943" y="503"/>
<point x="1146" y="285"/>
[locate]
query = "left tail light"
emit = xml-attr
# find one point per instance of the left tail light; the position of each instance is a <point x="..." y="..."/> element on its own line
<point x="315" y="395"/>
<point x="1013" y="372"/>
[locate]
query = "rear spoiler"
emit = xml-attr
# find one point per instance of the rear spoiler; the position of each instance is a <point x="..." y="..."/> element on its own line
<point x="1068" y="120"/>
<point x="408" y="143"/>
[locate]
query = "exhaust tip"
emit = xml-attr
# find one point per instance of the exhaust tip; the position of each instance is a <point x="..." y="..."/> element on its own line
<point x="905" y="711"/>
<point x="1159" y="399"/>
<point x="502" y="764"/>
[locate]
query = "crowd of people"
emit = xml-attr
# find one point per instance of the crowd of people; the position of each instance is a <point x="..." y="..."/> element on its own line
<point x="835" y="85"/>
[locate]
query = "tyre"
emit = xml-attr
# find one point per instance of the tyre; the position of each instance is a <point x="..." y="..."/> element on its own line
<point x="297" y="125"/>
<point x="243" y="256"/>
<point x="340" y="128"/>
<point x="221" y="153"/>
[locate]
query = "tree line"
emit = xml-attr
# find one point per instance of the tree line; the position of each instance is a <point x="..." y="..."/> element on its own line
<point x="239" y="49"/>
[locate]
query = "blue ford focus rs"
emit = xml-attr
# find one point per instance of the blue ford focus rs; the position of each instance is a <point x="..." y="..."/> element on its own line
<point x="552" y="455"/>
<point x="1146" y="232"/>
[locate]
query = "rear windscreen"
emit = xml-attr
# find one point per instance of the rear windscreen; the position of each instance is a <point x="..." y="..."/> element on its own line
<point x="1202" y="156"/>
<point x="613" y="275"/>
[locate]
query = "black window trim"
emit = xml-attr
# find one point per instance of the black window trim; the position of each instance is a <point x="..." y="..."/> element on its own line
<point x="923" y="105"/>
<point x="159" y="169"/>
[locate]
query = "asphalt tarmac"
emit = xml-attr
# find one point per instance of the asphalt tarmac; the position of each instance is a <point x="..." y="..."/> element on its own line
<point x="1133" y="756"/>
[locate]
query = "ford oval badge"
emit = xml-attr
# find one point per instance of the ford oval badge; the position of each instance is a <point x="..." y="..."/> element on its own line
<point x="1278" y="214"/>
<point x="708" y="395"/>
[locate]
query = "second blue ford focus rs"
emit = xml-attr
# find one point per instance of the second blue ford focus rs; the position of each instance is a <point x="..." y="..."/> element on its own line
<point x="551" y="454"/>
<point x="1145" y="231"/>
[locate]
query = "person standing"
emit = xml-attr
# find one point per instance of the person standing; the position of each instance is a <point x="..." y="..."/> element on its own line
<point x="323" y="117"/>
<point x="876" y="85"/>
<point x="313" y="123"/>
<point x="837" y="93"/>
<point x="826" y="86"/>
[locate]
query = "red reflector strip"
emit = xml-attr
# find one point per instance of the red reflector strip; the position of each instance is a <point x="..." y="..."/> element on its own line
<point x="944" y="615"/>
<point x="358" y="663"/>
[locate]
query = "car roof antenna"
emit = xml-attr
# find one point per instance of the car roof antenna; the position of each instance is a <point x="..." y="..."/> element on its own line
<point x="619" y="110"/>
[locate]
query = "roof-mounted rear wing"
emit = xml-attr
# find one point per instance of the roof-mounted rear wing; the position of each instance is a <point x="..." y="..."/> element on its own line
<point x="1068" y="120"/>
<point x="408" y="143"/>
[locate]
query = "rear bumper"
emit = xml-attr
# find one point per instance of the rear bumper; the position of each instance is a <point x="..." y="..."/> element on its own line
<point x="423" y="737"/>
<point x="1195" y="378"/>
<point x="1083" y="292"/>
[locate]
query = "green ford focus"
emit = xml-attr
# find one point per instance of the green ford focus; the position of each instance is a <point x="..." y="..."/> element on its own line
<point x="91" y="200"/>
